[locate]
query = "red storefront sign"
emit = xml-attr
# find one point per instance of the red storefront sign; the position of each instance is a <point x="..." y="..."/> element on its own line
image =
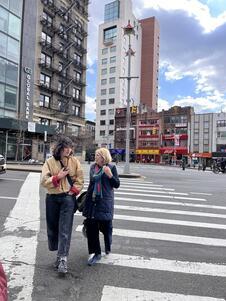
<point x="171" y="150"/>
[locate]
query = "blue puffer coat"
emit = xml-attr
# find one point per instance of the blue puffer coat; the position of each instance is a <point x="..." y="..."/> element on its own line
<point x="101" y="208"/>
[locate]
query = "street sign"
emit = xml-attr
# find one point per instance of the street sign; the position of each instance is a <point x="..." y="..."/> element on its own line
<point x="31" y="127"/>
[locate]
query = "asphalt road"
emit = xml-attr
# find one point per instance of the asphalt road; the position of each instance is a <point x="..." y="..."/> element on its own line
<point x="169" y="240"/>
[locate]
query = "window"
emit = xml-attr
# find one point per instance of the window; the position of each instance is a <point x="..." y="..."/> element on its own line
<point x="44" y="101"/>
<point x="113" y="59"/>
<point x="104" y="61"/>
<point x="76" y="93"/>
<point x="46" y="38"/>
<point x="75" y="110"/>
<point x="46" y="59"/>
<point x="103" y="71"/>
<point x="60" y="126"/>
<point x="13" y="48"/>
<point x="14" y="26"/>
<point x="10" y="97"/>
<point x="11" y="73"/>
<point x="112" y="70"/>
<point x="77" y="58"/>
<point x="103" y="81"/>
<point x="48" y="18"/>
<point x="103" y="112"/>
<point x="111" y="122"/>
<point x="103" y="92"/>
<point x="113" y="49"/>
<point x="110" y="34"/>
<point x="3" y="44"/>
<point x="44" y="121"/>
<point x="4" y="15"/>
<point x="111" y="101"/>
<point x="111" y="80"/>
<point x="111" y="11"/>
<point x="111" y="111"/>
<point x="104" y="51"/>
<point x="102" y="122"/>
<point x="103" y="102"/>
<point x="102" y="133"/>
<point x="112" y="91"/>
<point x="45" y="80"/>
<point x="221" y="123"/>
<point x="111" y="132"/>
<point x="15" y="6"/>
<point x="77" y="76"/>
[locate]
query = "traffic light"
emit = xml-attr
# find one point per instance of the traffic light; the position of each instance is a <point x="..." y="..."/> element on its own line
<point x="134" y="109"/>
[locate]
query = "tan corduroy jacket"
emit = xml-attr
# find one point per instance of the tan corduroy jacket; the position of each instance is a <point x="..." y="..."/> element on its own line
<point x="51" y="169"/>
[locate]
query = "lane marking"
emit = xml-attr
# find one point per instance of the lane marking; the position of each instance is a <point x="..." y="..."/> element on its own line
<point x="216" y="242"/>
<point x="8" y="197"/>
<point x="112" y="293"/>
<point x="168" y="221"/>
<point x="159" y="195"/>
<point x="171" y="203"/>
<point x="18" y="241"/>
<point x="169" y="211"/>
<point x="162" y="264"/>
<point x="13" y="179"/>
<point x="201" y="193"/>
<point x="145" y="189"/>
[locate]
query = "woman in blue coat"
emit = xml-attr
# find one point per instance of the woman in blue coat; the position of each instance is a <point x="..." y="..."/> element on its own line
<point x="99" y="205"/>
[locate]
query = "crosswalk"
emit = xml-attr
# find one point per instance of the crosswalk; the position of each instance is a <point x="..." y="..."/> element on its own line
<point x="171" y="242"/>
<point x="143" y="204"/>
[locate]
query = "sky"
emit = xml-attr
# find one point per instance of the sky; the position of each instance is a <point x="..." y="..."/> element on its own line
<point x="192" y="69"/>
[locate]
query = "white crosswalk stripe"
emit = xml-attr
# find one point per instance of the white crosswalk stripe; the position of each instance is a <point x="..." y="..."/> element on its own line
<point x="216" y="242"/>
<point x="142" y="194"/>
<point x="111" y="293"/>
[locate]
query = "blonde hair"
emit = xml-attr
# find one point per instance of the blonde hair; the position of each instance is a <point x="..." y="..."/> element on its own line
<point x="105" y="154"/>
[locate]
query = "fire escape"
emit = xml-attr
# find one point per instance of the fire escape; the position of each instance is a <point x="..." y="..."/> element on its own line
<point x="69" y="33"/>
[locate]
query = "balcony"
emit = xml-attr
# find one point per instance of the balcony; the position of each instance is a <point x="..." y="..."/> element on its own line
<point x="47" y="25"/>
<point x="45" y="66"/>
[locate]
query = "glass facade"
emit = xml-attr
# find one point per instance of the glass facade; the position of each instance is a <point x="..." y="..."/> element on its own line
<point x="10" y="32"/>
<point x="111" y="11"/>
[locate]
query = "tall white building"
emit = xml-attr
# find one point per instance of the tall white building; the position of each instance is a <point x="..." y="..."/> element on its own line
<point x="113" y="64"/>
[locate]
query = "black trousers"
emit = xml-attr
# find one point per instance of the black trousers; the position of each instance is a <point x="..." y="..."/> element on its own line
<point x="94" y="227"/>
<point x="59" y="219"/>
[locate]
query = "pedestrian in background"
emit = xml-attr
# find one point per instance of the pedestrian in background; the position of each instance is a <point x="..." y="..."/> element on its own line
<point x="3" y="285"/>
<point x="99" y="205"/>
<point x="62" y="176"/>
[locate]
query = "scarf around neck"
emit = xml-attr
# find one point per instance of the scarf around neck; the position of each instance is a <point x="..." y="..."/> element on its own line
<point x="97" y="191"/>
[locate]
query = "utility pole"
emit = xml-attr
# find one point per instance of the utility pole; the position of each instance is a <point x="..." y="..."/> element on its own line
<point x="128" y="30"/>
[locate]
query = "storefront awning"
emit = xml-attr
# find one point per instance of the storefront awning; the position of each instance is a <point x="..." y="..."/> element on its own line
<point x="168" y="151"/>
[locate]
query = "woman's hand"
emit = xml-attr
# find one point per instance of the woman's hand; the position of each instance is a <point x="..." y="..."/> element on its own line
<point x="107" y="171"/>
<point x="63" y="172"/>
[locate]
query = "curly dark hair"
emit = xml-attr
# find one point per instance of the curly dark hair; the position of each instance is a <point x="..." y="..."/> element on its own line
<point x="61" y="143"/>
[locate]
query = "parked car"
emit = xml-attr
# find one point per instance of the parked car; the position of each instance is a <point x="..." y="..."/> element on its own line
<point x="2" y="165"/>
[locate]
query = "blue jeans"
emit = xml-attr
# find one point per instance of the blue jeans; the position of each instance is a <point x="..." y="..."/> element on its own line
<point x="59" y="219"/>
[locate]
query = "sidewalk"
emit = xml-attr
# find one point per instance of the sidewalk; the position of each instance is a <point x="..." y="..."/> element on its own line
<point x="20" y="166"/>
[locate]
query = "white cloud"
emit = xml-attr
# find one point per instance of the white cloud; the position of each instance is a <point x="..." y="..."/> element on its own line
<point x="163" y="104"/>
<point x="213" y="103"/>
<point x="90" y="108"/>
<point x="192" y="43"/>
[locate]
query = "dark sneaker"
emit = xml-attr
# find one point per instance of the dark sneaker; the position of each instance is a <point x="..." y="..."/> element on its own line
<point x="62" y="267"/>
<point x="94" y="259"/>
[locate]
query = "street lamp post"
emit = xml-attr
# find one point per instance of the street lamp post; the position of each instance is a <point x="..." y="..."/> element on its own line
<point x="128" y="30"/>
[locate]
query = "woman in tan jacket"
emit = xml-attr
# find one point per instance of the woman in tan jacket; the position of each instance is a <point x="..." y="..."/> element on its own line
<point x="62" y="176"/>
